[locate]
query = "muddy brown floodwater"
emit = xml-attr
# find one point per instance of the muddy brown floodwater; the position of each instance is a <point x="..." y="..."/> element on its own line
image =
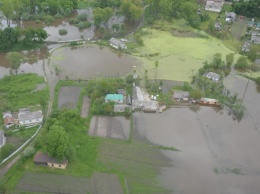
<point x="218" y="155"/>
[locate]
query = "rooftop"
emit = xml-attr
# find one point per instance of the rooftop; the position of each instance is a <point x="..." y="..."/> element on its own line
<point x="41" y="157"/>
<point x="212" y="75"/>
<point x="27" y="115"/>
<point x="181" y="94"/>
<point x="114" y="97"/>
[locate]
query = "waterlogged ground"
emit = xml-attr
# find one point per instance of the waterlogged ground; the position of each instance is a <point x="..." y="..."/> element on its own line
<point x="178" y="56"/>
<point x="218" y="155"/>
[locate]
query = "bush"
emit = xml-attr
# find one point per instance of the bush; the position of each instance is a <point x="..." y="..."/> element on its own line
<point x="82" y="25"/>
<point x="28" y="152"/>
<point x="67" y="12"/>
<point x="38" y="21"/>
<point x="58" y="16"/>
<point x="48" y="19"/>
<point x="241" y="62"/>
<point x="73" y="21"/>
<point x="63" y="32"/>
<point x="82" y="17"/>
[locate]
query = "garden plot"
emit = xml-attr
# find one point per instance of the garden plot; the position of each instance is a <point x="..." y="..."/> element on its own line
<point x="85" y="107"/>
<point x="110" y="127"/>
<point x="68" y="97"/>
<point x="100" y="183"/>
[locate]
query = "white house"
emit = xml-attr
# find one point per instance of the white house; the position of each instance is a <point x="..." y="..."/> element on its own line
<point x="213" y="76"/>
<point x="2" y="138"/>
<point x="215" y="5"/>
<point x="117" y="44"/>
<point x="29" y="119"/>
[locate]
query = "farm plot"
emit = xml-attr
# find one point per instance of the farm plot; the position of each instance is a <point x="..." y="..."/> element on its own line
<point x="100" y="183"/>
<point x="68" y="97"/>
<point x="237" y="29"/>
<point x="110" y="127"/>
<point x="52" y="183"/>
<point x="85" y="107"/>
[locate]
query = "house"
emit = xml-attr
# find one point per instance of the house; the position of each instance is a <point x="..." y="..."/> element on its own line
<point x="257" y="26"/>
<point x="181" y="95"/>
<point x="8" y="119"/>
<point x="2" y="138"/>
<point x="214" y="5"/>
<point x="255" y="39"/>
<point x="29" y="119"/>
<point x="213" y="76"/>
<point x="145" y="105"/>
<point x="120" y="107"/>
<point x="117" y="44"/>
<point x="117" y="98"/>
<point x="43" y="159"/>
<point x="246" y="46"/>
<point x="208" y="101"/>
<point x="230" y="17"/>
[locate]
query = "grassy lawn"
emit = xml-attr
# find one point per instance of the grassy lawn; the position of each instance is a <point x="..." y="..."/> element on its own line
<point x="177" y="56"/>
<point x="13" y="96"/>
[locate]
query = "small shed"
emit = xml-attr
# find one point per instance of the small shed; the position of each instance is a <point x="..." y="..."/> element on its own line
<point x="2" y="138"/>
<point x="120" y="107"/>
<point x="43" y="159"/>
<point x="209" y="101"/>
<point x="181" y="95"/>
<point x="230" y="17"/>
<point x="213" y="76"/>
<point x="117" y="98"/>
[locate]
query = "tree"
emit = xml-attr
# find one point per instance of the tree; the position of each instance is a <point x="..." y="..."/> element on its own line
<point x="8" y="10"/>
<point x="217" y="59"/>
<point x="229" y="59"/>
<point x="14" y="59"/>
<point x="242" y="62"/>
<point x="57" y="142"/>
<point x="132" y="10"/>
<point x="196" y="94"/>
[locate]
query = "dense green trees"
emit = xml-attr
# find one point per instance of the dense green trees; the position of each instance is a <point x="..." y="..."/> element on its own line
<point x="10" y="36"/>
<point x="102" y="15"/>
<point x="247" y="8"/>
<point x="242" y="62"/>
<point x="132" y="9"/>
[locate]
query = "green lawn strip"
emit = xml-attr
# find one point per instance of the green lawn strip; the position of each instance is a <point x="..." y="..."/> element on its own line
<point x="23" y="132"/>
<point x="80" y="101"/>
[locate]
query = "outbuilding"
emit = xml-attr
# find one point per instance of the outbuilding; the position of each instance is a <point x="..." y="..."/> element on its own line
<point x="43" y="159"/>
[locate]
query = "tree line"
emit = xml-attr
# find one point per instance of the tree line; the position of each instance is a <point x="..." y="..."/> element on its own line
<point x="10" y="36"/>
<point x="247" y="8"/>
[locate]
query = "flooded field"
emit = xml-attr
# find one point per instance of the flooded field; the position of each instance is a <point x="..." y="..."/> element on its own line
<point x="217" y="154"/>
<point x="110" y="127"/>
<point x="68" y="97"/>
<point x="88" y="61"/>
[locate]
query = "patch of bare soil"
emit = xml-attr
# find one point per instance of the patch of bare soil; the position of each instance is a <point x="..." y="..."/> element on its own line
<point x="68" y="97"/>
<point x="110" y="127"/>
<point x="85" y="107"/>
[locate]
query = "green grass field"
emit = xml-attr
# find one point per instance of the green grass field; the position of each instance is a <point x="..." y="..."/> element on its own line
<point x="177" y="56"/>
